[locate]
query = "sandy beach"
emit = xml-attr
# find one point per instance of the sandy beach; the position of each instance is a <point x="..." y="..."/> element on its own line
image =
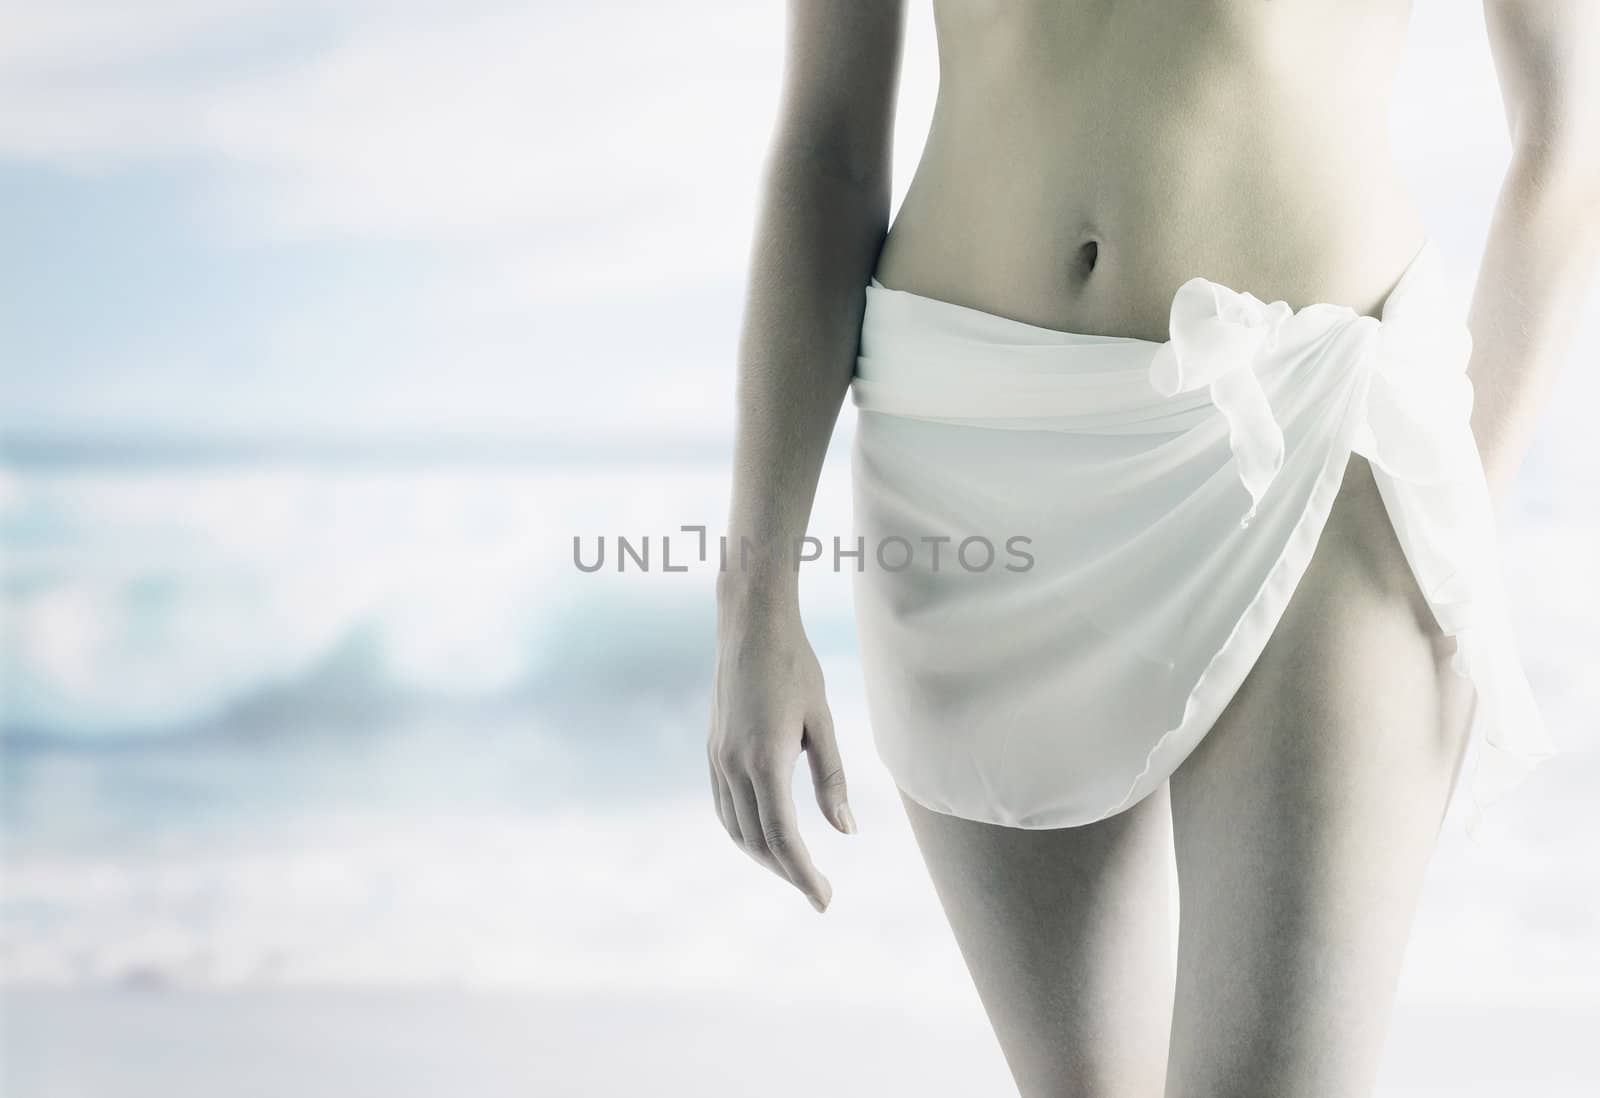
<point x="312" y="1043"/>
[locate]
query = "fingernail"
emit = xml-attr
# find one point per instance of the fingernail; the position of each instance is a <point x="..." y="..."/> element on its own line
<point x="847" y="819"/>
<point x="818" y="904"/>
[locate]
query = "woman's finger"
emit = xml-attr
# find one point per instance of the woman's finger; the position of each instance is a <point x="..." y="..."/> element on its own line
<point x="711" y="765"/>
<point x="780" y="834"/>
<point x="721" y="801"/>
<point x="749" y="818"/>
<point x="827" y="771"/>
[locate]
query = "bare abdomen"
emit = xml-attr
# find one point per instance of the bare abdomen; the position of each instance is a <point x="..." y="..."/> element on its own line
<point x="1086" y="159"/>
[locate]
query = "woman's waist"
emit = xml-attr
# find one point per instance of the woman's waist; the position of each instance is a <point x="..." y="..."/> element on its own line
<point x="1100" y="245"/>
<point x="928" y="358"/>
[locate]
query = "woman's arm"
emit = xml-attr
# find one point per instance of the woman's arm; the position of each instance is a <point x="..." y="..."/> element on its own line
<point x="1545" y="236"/>
<point x="824" y="213"/>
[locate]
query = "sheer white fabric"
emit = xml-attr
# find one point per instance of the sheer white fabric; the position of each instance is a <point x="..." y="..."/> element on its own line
<point x="1170" y="496"/>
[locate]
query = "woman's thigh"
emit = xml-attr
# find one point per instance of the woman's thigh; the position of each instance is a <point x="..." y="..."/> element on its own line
<point x="1067" y="936"/>
<point x="1303" y="823"/>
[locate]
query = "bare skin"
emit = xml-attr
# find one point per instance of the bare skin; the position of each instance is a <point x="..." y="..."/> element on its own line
<point x="1086" y="157"/>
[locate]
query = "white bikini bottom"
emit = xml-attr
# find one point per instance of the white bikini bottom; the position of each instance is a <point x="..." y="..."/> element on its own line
<point x="1077" y="546"/>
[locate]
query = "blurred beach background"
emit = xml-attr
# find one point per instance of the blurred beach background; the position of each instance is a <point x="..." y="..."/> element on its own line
<point x="324" y="329"/>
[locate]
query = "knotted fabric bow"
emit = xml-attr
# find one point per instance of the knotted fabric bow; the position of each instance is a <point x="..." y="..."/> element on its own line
<point x="1218" y="337"/>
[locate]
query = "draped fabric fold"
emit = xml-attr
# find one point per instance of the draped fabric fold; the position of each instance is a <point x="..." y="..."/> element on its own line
<point x="1169" y="497"/>
<point x="1217" y="339"/>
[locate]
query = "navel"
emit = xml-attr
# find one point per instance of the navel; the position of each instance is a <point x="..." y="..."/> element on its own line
<point x="1085" y="260"/>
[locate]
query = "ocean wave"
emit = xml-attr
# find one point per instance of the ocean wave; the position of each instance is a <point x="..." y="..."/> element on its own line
<point x="154" y="605"/>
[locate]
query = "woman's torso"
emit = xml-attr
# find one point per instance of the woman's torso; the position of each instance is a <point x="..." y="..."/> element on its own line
<point x="1086" y="157"/>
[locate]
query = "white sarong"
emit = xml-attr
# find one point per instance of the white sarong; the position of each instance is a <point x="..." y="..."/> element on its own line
<point x="1148" y="509"/>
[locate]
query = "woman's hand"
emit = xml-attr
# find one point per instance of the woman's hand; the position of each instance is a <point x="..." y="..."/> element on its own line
<point x="767" y="705"/>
